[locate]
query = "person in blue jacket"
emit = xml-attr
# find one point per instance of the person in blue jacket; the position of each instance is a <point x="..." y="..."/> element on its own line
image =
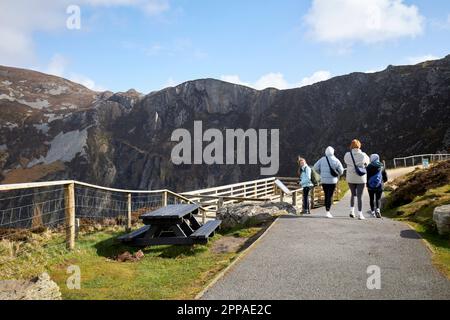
<point x="376" y="177"/>
<point x="306" y="183"/>
<point x="324" y="166"/>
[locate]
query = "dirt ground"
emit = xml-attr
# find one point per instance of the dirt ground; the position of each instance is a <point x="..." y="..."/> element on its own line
<point x="228" y="244"/>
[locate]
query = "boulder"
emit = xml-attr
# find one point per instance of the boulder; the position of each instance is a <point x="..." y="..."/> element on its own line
<point x="441" y="217"/>
<point x="239" y="214"/>
<point x="127" y="256"/>
<point x="39" y="288"/>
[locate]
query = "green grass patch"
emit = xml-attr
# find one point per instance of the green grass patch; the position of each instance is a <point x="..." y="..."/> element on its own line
<point x="165" y="272"/>
<point x="343" y="188"/>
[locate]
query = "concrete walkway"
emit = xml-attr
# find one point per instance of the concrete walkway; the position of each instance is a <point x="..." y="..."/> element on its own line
<point x="312" y="257"/>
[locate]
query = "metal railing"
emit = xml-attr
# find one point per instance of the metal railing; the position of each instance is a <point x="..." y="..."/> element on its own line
<point x="419" y="159"/>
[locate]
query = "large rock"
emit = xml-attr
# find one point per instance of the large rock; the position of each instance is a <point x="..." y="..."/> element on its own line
<point x="441" y="217"/>
<point x="240" y="214"/>
<point x="39" y="288"/>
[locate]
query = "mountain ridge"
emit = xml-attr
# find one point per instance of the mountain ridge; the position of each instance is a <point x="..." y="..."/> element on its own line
<point x="52" y="128"/>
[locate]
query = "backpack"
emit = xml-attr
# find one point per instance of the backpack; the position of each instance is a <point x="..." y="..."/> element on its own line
<point x="333" y="172"/>
<point x="315" y="177"/>
<point x="375" y="181"/>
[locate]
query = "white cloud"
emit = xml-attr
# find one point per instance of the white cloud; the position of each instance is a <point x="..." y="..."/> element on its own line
<point x="58" y="67"/>
<point x="369" y="21"/>
<point x="85" y="81"/>
<point x="315" y="77"/>
<point x="419" y="59"/>
<point x="277" y="80"/>
<point x="171" y="82"/>
<point x="20" y="19"/>
<point x="156" y="7"/>
<point x="233" y="78"/>
<point x="272" y="80"/>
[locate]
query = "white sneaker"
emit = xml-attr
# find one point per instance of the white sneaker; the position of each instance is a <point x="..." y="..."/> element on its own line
<point x="361" y="216"/>
<point x="372" y="213"/>
<point x="329" y="215"/>
<point x="352" y="212"/>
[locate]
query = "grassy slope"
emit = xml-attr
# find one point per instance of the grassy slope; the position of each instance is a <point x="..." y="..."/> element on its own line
<point x="343" y="188"/>
<point x="416" y="208"/>
<point x="166" y="272"/>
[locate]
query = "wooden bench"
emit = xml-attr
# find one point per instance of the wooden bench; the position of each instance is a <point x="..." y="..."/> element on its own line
<point x="171" y="225"/>
<point x="204" y="232"/>
<point x="134" y="235"/>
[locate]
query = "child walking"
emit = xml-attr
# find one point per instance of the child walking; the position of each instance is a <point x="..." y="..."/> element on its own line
<point x="376" y="177"/>
<point x="305" y="182"/>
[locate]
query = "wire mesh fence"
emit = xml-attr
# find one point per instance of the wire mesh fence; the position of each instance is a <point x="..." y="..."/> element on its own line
<point x="35" y="219"/>
<point x="31" y="209"/>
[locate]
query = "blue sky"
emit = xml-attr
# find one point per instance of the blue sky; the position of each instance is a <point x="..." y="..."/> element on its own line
<point x="151" y="44"/>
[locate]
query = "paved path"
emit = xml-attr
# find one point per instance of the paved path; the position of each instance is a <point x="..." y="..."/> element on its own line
<point x="313" y="257"/>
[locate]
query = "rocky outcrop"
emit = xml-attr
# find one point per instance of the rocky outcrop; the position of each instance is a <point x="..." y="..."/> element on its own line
<point x="253" y="213"/>
<point x="39" y="288"/>
<point x="441" y="217"/>
<point x="123" y="139"/>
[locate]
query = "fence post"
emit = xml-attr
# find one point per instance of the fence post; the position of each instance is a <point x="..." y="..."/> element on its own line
<point x="294" y="199"/>
<point x="282" y="196"/>
<point x="69" y="201"/>
<point x="77" y="228"/>
<point x="164" y="199"/>
<point x="203" y="216"/>
<point x="220" y="203"/>
<point x="256" y="189"/>
<point x="129" y="213"/>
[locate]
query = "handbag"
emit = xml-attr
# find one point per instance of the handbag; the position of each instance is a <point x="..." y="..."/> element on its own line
<point x="360" y="171"/>
<point x="332" y="171"/>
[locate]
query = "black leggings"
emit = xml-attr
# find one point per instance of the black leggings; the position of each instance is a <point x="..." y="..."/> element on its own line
<point x="328" y="189"/>
<point x="306" y="199"/>
<point x="357" y="190"/>
<point x="375" y="196"/>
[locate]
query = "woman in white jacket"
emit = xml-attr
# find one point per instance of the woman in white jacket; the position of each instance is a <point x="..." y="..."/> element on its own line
<point x="325" y="166"/>
<point x="355" y="181"/>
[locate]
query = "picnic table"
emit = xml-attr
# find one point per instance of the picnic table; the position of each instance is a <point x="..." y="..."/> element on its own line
<point x="171" y="225"/>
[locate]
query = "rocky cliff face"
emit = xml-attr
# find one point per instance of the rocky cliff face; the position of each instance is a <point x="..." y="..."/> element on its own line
<point x="51" y="128"/>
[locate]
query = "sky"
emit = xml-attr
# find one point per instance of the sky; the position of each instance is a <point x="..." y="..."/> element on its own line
<point x="152" y="44"/>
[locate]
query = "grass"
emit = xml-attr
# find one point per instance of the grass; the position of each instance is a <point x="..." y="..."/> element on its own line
<point x="419" y="214"/>
<point x="165" y="272"/>
<point x="343" y="188"/>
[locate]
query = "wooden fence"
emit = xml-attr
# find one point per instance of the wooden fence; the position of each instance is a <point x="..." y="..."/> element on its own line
<point x="79" y="197"/>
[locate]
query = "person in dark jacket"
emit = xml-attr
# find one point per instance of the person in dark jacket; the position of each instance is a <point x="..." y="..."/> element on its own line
<point x="376" y="177"/>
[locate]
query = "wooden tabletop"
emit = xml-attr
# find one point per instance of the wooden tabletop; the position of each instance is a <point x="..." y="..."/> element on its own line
<point x="170" y="212"/>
